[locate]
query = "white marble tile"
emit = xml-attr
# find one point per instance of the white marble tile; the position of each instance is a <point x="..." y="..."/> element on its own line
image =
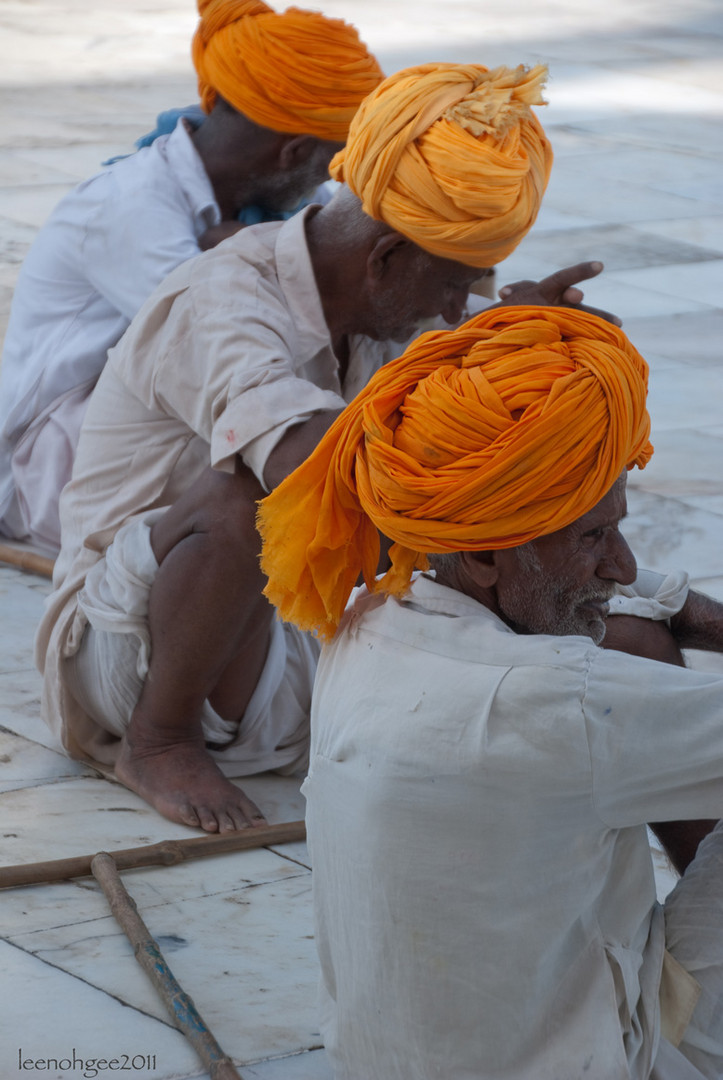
<point x="619" y="201"/>
<point x="32" y="909"/>
<point x="312" y="1065"/>
<point x="87" y="159"/>
<point x="15" y="240"/>
<point x="666" y="534"/>
<point x="84" y="815"/>
<point x="49" y="1014"/>
<point x="32" y="206"/>
<point x="699" y="282"/>
<point x="246" y="957"/>
<point x="24" y="764"/>
<point x="650" y="167"/>
<point x="619" y="247"/>
<point x="16" y="170"/>
<point x="20" y="707"/>
<point x="687" y="463"/>
<point x="657" y="128"/>
<point x="629" y="301"/>
<point x="678" y="395"/>
<point x="707" y="231"/>
<point x="551" y="218"/>
<point x="684" y="338"/>
<point x="21" y="609"/>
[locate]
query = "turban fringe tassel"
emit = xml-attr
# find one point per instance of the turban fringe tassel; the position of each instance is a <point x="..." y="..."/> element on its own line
<point x="298" y="72"/>
<point x="556" y="400"/>
<point x="452" y="157"/>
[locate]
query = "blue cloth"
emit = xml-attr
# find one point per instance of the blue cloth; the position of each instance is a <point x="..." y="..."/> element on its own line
<point x="166" y="122"/>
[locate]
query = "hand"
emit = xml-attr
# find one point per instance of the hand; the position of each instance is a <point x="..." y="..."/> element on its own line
<point x="557" y="290"/>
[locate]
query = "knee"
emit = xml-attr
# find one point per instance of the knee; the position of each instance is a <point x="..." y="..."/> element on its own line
<point x="220" y="507"/>
<point x="227" y="507"/>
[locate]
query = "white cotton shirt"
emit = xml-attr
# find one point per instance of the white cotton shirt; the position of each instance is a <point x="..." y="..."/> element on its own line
<point x="104" y="249"/>
<point x="230" y="351"/>
<point x="477" y="800"/>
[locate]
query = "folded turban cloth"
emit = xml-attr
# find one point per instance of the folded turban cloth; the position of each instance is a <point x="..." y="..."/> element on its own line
<point x="452" y="157"/>
<point x="485" y="437"/>
<point x="298" y="72"/>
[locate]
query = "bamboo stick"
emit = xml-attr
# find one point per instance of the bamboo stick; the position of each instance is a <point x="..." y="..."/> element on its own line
<point x="179" y="1005"/>
<point x="26" y="560"/>
<point x="164" y="853"/>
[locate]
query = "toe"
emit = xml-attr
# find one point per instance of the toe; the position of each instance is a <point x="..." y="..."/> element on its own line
<point x="208" y="819"/>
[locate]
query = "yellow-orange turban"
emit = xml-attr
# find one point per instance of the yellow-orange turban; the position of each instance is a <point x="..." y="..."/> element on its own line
<point x="452" y="157"/>
<point x="475" y="439"/>
<point x="298" y="72"/>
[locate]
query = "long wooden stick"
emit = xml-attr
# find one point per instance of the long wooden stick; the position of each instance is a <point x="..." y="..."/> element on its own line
<point x="148" y="954"/>
<point x="26" y="560"/>
<point x="165" y="853"/>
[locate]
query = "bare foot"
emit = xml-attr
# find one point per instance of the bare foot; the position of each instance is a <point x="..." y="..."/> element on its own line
<point x="183" y="782"/>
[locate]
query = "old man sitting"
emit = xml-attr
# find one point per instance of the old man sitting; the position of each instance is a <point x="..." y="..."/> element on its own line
<point x="481" y="771"/>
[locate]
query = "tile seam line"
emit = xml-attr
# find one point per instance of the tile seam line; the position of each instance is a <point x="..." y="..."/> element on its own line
<point x="90" y="985"/>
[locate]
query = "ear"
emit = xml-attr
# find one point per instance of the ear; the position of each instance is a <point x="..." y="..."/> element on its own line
<point x="481" y="567"/>
<point x="386" y="253"/>
<point x="296" y="151"/>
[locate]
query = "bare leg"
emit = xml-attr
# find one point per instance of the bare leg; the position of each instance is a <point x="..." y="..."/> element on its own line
<point x="209" y="627"/>
<point x="654" y="640"/>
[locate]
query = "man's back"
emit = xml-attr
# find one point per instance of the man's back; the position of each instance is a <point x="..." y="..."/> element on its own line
<point x="105" y="248"/>
<point x="484" y="888"/>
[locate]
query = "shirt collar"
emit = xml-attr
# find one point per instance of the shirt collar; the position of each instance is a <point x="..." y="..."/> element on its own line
<point x="425" y="592"/>
<point x="188" y="169"/>
<point x="298" y="283"/>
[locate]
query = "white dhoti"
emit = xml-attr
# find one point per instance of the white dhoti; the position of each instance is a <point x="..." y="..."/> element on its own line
<point x="107" y="672"/>
<point x="42" y="464"/>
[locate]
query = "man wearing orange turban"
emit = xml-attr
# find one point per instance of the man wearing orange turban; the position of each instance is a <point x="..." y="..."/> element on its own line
<point x="280" y="91"/>
<point x="481" y="773"/>
<point x="451" y="156"/>
<point x="162" y="658"/>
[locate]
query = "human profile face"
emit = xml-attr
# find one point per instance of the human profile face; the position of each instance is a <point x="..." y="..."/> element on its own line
<point x="561" y="583"/>
<point x="284" y="189"/>
<point x="417" y="287"/>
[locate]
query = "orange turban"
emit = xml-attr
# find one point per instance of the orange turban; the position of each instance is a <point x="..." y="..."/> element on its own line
<point x="452" y="157"/>
<point x="299" y="73"/>
<point x="481" y="438"/>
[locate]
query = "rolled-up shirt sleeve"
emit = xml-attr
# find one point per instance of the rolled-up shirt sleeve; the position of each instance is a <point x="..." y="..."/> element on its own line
<point x="238" y="376"/>
<point x="252" y="423"/>
<point x="655" y="734"/>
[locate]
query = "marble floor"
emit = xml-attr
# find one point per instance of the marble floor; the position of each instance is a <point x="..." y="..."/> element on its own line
<point x="635" y="111"/>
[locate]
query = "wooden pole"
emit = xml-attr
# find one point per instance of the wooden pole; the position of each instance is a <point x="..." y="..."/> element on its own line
<point x="165" y="853"/>
<point x="26" y="560"/>
<point x="148" y="954"/>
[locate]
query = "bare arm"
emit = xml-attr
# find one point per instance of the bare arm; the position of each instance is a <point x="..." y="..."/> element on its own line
<point x="699" y="625"/>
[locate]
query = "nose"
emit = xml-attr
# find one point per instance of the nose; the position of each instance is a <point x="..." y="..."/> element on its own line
<point x="454" y="302"/>
<point x="618" y="562"/>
